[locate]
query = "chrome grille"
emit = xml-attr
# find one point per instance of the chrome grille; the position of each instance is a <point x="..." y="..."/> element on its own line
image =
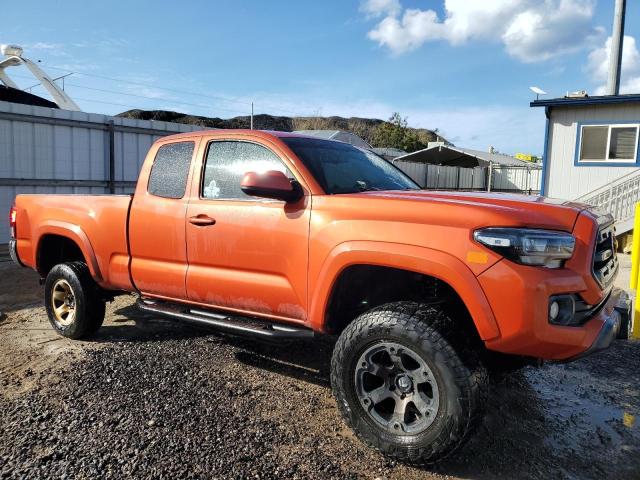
<point x="605" y="262"/>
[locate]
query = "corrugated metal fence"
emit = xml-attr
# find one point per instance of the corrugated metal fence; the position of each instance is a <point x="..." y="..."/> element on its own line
<point x="45" y="150"/>
<point x="503" y="178"/>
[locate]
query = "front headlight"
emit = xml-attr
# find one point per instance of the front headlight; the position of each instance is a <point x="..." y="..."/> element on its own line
<point x="544" y="248"/>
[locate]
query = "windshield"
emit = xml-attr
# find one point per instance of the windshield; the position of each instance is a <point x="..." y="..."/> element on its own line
<point x="342" y="168"/>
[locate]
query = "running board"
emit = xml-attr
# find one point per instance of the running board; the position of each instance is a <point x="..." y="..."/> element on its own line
<point x="226" y="323"/>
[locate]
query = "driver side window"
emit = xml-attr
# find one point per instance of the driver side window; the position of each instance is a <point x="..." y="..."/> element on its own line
<point x="226" y="163"/>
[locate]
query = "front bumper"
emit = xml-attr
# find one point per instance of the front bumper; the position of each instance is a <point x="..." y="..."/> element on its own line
<point x="519" y="297"/>
<point x="13" y="252"/>
<point x="613" y="323"/>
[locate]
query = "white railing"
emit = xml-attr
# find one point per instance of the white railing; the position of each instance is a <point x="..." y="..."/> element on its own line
<point x="619" y="198"/>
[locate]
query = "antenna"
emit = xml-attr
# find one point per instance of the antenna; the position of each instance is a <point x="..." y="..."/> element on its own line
<point x="538" y="91"/>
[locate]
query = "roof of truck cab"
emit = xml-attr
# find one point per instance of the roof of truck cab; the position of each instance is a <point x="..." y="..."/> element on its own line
<point x="237" y="131"/>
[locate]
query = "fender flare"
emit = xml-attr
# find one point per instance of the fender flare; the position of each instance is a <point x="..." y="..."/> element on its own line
<point x="72" y="232"/>
<point x="417" y="259"/>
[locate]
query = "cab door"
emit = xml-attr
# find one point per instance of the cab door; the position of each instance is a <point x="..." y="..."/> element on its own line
<point x="157" y="221"/>
<point x="245" y="253"/>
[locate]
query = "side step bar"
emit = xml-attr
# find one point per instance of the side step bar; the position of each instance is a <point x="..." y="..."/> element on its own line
<point x="226" y="323"/>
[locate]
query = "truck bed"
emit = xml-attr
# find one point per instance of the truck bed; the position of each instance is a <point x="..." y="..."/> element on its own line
<point x="98" y="223"/>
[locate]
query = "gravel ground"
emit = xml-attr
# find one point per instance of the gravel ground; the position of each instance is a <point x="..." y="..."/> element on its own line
<point x="151" y="398"/>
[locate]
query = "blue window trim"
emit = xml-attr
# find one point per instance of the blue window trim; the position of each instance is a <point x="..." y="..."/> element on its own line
<point x="576" y="155"/>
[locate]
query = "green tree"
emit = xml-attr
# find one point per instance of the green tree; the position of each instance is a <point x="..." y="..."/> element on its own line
<point x="395" y="133"/>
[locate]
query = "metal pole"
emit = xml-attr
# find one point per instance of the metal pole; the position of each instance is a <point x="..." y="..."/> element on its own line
<point x="112" y="156"/>
<point x="490" y="174"/>
<point x="615" y="59"/>
<point x="251" y="115"/>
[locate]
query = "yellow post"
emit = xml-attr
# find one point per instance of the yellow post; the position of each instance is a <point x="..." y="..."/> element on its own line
<point x="635" y="268"/>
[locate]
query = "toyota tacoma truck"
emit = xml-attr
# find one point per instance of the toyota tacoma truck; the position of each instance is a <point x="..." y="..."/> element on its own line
<point x="286" y="237"/>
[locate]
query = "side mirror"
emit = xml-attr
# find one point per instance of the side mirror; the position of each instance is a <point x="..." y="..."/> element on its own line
<point x="272" y="184"/>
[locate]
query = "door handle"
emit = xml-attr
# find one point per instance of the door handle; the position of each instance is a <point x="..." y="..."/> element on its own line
<point x="202" y="220"/>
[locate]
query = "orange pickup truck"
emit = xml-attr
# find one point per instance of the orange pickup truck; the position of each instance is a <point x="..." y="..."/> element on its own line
<point x="286" y="237"/>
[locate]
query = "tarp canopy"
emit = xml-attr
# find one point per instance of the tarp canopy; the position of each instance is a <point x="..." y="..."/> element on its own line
<point x="13" y="95"/>
<point x="462" y="157"/>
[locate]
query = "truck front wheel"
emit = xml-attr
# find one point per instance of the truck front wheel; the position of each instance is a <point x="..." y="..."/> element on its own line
<point x="72" y="300"/>
<point x="408" y="382"/>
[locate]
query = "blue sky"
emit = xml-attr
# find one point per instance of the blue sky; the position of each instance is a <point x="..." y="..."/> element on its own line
<point x="461" y="66"/>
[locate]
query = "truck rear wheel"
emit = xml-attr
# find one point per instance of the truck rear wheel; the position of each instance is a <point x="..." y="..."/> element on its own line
<point x="72" y="300"/>
<point x="408" y="383"/>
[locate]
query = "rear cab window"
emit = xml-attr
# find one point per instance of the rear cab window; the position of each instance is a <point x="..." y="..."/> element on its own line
<point x="168" y="177"/>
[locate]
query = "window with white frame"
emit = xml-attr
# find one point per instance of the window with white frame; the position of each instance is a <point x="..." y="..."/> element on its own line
<point x="609" y="143"/>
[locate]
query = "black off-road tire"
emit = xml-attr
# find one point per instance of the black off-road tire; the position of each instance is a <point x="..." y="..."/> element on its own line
<point x="451" y="355"/>
<point x="88" y="305"/>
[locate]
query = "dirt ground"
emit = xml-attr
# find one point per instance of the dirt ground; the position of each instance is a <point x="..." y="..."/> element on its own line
<point x="152" y="398"/>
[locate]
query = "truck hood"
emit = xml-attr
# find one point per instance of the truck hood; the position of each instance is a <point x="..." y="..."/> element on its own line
<point x="492" y="208"/>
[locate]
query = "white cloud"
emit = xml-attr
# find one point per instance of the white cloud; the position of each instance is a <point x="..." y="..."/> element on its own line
<point x="149" y="92"/>
<point x="598" y="66"/>
<point x="551" y="30"/>
<point x="52" y="49"/>
<point x="401" y="35"/>
<point x="377" y="8"/>
<point x="530" y="30"/>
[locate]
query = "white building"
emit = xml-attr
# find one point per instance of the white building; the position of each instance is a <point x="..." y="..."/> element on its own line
<point x="591" y="152"/>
